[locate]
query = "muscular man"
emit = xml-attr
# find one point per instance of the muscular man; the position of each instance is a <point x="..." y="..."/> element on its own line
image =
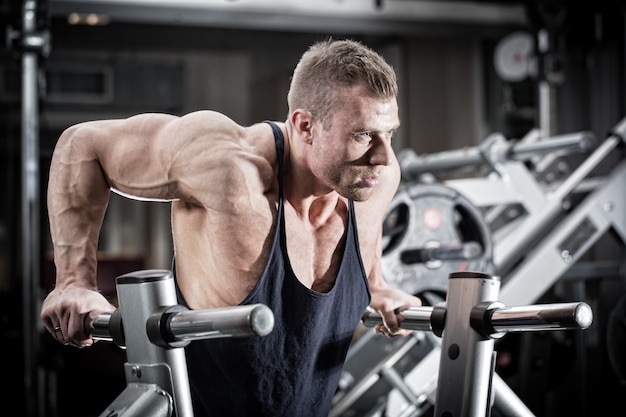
<point x="285" y="214"/>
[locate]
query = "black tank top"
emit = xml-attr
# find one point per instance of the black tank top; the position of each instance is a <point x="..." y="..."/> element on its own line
<point x="293" y="371"/>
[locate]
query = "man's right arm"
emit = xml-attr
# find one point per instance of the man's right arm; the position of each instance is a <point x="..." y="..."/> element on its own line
<point x="84" y="159"/>
<point x="77" y="198"/>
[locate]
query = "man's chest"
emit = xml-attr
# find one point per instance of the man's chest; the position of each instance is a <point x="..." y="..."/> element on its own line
<point x="315" y="250"/>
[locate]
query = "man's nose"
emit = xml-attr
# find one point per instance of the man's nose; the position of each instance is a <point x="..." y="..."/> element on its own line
<point x="381" y="153"/>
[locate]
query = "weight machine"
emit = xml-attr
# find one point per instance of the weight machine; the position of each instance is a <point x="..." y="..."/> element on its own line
<point x="154" y="330"/>
<point x="520" y="247"/>
<point x="421" y="249"/>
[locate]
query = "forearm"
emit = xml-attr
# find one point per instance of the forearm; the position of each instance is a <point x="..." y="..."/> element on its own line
<point x="388" y="300"/>
<point x="77" y="197"/>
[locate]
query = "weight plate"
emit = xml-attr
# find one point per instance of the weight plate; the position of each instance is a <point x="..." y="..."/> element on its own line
<point x="424" y="217"/>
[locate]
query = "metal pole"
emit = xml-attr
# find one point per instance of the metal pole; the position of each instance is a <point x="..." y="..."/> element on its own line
<point x="466" y="362"/>
<point x="30" y="207"/>
<point x="141" y="294"/>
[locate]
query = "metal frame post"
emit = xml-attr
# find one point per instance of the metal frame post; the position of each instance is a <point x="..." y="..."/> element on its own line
<point x="154" y="330"/>
<point x="466" y="362"/>
<point x="143" y="294"/>
<point x="33" y="44"/>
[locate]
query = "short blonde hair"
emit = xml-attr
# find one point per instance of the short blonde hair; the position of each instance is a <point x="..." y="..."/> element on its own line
<point x="329" y="65"/>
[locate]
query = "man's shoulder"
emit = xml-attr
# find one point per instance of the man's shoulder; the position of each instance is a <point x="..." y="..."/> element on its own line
<point x="219" y="126"/>
<point x="211" y="121"/>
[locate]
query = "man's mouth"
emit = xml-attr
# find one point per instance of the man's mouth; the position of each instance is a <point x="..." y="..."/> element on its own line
<point x="371" y="181"/>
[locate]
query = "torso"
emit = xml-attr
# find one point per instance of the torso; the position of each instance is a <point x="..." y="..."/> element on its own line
<point x="221" y="265"/>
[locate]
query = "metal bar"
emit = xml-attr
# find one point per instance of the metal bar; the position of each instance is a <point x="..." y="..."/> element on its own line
<point x="100" y="327"/>
<point x="546" y="108"/>
<point x="423" y="379"/>
<point x="585" y="168"/>
<point x="30" y="208"/>
<point x="414" y="165"/>
<point x="189" y="325"/>
<point x="559" y="316"/>
<point x="239" y="321"/>
<point x="395" y="379"/>
<point x="415" y="318"/>
<point x="562" y="144"/>
<point x="140" y="400"/>
<point x="442" y="161"/>
<point x="347" y="16"/>
<point x="455" y="252"/>
<point x="465" y="369"/>
<point x="506" y="401"/>
<point x="372" y="377"/>
<point x="562" y="316"/>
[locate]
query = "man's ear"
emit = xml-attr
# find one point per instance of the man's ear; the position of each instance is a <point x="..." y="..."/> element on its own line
<point x="302" y="121"/>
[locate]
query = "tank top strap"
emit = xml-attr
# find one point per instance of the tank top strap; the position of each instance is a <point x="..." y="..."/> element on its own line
<point x="279" y="141"/>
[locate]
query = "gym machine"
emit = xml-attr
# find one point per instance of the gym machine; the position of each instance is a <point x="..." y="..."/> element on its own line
<point x="154" y="330"/>
<point x="434" y="228"/>
<point x="520" y="247"/>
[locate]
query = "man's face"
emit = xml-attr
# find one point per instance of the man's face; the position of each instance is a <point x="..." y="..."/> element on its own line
<point x="351" y="156"/>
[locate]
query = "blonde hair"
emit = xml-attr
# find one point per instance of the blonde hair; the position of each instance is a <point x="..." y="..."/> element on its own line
<point x="327" y="67"/>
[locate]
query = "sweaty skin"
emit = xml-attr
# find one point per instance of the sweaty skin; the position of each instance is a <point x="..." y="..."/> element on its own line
<point x="221" y="179"/>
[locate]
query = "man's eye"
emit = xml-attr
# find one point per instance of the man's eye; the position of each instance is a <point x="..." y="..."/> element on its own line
<point x="364" y="136"/>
